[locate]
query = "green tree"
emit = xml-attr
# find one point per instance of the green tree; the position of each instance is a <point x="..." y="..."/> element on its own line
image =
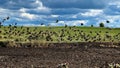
<point x="42" y="24"/>
<point x="92" y="26"/>
<point x="101" y="24"/>
<point x="66" y="25"/>
<point x="0" y="24"/>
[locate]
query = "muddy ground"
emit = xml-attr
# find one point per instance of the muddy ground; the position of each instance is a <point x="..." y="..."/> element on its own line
<point x="50" y="57"/>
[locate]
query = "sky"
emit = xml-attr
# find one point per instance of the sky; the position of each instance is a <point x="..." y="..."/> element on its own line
<point x="70" y="12"/>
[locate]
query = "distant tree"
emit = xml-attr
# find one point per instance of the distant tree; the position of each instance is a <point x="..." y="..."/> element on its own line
<point x="101" y="24"/>
<point x="82" y="24"/>
<point x="48" y="25"/>
<point x="92" y="26"/>
<point x="15" y="25"/>
<point x="74" y="26"/>
<point x="10" y="25"/>
<point x="42" y="24"/>
<point x="66" y="25"/>
<point x="0" y="24"/>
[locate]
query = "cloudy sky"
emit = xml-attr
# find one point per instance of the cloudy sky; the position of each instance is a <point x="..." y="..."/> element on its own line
<point x="70" y="12"/>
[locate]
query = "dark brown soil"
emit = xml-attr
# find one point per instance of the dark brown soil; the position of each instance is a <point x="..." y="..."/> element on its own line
<point x="50" y="57"/>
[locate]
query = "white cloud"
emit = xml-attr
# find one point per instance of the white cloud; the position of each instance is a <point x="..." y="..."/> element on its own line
<point x="61" y="22"/>
<point x="70" y="23"/>
<point x="92" y="13"/>
<point x="39" y="3"/>
<point x="114" y="21"/>
<point x="32" y="25"/>
<point x="74" y="16"/>
<point x="28" y="16"/>
<point x="77" y="23"/>
<point x="113" y="18"/>
<point x="32" y="11"/>
<point x="54" y="15"/>
<point x="40" y="7"/>
<point x="3" y="12"/>
<point x="7" y="12"/>
<point x="115" y="2"/>
<point x="23" y="10"/>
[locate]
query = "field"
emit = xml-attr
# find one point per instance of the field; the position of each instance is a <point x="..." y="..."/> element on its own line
<point x="59" y="34"/>
<point x="59" y="47"/>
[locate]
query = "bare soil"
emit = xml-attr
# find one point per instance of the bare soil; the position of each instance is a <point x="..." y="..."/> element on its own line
<point x="75" y="56"/>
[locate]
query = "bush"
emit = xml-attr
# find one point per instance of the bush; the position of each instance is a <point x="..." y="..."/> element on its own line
<point x="92" y="26"/>
<point x="3" y="44"/>
<point x="101" y="24"/>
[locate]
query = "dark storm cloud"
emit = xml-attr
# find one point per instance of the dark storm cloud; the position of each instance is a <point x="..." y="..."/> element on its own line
<point x="68" y="11"/>
<point x="83" y="4"/>
<point x="112" y="10"/>
<point x="17" y="4"/>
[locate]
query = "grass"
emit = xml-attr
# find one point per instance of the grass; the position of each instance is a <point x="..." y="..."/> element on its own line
<point x="59" y="34"/>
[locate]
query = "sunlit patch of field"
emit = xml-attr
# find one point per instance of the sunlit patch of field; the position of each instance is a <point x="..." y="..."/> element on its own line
<point x="59" y="34"/>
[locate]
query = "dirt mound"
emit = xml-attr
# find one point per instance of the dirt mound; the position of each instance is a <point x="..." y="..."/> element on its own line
<point x="58" y="45"/>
